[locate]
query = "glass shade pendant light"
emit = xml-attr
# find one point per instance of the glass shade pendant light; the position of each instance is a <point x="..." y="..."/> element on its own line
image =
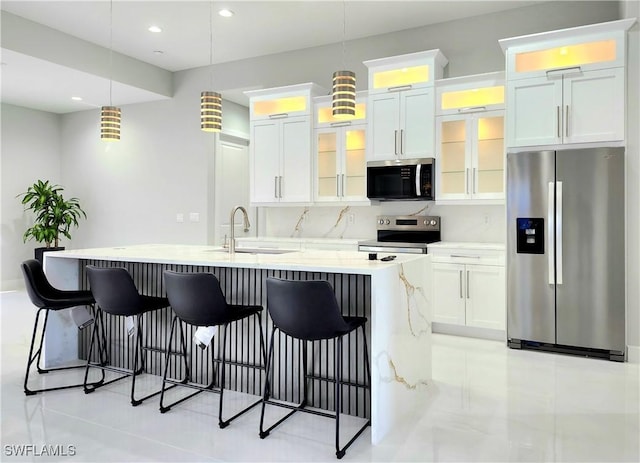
<point x="110" y="116"/>
<point x="210" y="102"/>
<point x="344" y="82"/>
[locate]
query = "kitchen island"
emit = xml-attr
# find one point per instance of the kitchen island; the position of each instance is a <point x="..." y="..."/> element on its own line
<point x="393" y="295"/>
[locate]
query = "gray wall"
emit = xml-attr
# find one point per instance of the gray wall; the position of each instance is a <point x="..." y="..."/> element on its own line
<point x="30" y="151"/>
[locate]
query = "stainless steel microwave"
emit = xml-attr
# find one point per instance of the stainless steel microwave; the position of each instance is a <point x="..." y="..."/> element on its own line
<point x="401" y="180"/>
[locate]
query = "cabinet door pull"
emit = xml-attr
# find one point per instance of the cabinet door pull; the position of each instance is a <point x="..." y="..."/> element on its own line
<point x="473" y="181"/>
<point x="278" y="116"/>
<point x="558" y="121"/>
<point x="465" y="257"/>
<point x="563" y="71"/>
<point x="337" y="185"/>
<point x="472" y="109"/>
<point x="399" y="88"/>
<point x="395" y="142"/>
<point x="461" y="297"/>
<point x="280" y="186"/>
<point x="468" y="292"/>
<point x="401" y="141"/>
<point x="340" y="124"/>
<point x="566" y="121"/>
<point x="466" y="181"/>
<point x="275" y="186"/>
<point x="342" y="186"/>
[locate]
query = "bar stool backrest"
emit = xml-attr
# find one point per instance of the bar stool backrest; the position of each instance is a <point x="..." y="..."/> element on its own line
<point x="305" y="310"/>
<point x="40" y="291"/>
<point x="114" y="290"/>
<point x="196" y="298"/>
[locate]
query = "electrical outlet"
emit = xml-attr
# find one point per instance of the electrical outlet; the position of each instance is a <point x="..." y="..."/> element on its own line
<point x="486" y="219"/>
<point x="351" y="218"/>
<point x="179" y="217"/>
<point x="194" y="217"/>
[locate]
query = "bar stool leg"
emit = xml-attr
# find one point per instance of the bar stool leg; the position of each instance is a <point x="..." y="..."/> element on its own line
<point x="31" y="357"/>
<point x="338" y="392"/>
<point x="221" y="423"/>
<point x="267" y="387"/>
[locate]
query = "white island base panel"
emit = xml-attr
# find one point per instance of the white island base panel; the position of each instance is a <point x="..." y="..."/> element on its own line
<point x="399" y="321"/>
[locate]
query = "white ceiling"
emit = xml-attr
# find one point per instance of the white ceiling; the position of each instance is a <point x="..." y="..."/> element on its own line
<point x="257" y="28"/>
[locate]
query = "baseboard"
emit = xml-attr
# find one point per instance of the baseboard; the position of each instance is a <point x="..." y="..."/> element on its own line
<point x="469" y="331"/>
<point x="633" y="354"/>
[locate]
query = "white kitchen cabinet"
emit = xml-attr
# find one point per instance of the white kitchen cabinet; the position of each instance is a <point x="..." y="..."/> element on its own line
<point x="281" y="142"/>
<point x="401" y="105"/>
<point x="469" y="288"/>
<point x="281" y="161"/>
<point x="568" y="86"/>
<point x="566" y="107"/>
<point x="340" y="170"/>
<point x="401" y="125"/>
<point x="470" y="162"/>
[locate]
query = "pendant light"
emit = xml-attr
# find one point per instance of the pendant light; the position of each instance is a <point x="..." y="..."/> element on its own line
<point x="344" y="82"/>
<point x="210" y="102"/>
<point x="110" y="115"/>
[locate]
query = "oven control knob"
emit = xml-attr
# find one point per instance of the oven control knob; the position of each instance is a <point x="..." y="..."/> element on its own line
<point x="433" y="223"/>
<point x="426" y="222"/>
<point x="381" y="221"/>
<point x="387" y="222"/>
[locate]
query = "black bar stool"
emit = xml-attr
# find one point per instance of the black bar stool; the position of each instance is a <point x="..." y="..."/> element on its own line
<point x="197" y="300"/>
<point x="309" y="311"/>
<point x="115" y="293"/>
<point x="46" y="298"/>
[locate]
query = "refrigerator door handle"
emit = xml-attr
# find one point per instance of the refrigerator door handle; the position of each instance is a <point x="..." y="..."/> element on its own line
<point x="559" y="232"/>
<point x="551" y="232"/>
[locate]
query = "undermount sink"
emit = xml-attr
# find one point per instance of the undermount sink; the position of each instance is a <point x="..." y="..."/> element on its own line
<point x="254" y="251"/>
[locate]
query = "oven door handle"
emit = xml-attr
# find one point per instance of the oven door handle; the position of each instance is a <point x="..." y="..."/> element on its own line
<point x="418" y="168"/>
<point x="390" y="249"/>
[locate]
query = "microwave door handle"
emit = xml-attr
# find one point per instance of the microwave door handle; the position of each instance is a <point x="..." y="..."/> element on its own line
<point x="418" y="168"/>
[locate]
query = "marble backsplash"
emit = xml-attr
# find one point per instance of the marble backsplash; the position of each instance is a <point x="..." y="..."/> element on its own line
<point x="474" y="223"/>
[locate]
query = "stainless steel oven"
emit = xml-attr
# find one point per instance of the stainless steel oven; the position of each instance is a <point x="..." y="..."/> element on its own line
<point x="403" y="234"/>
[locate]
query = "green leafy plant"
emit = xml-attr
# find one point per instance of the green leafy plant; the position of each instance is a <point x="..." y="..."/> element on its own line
<point x="54" y="216"/>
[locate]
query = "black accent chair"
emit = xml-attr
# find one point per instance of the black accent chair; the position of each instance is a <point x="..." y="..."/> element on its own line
<point x="47" y="298"/>
<point x="197" y="300"/>
<point x="116" y="294"/>
<point x="308" y="311"/>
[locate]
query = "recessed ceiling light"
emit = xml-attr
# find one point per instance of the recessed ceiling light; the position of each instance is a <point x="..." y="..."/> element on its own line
<point x="154" y="29"/>
<point x="76" y="98"/>
<point x="226" y="13"/>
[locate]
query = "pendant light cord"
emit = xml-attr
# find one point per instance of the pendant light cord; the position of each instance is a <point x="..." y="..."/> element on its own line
<point x="211" y="42"/>
<point x="111" y="53"/>
<point x="344" y="33"/>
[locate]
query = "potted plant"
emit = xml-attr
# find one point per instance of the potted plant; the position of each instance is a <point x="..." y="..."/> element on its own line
<point x="54" y="215"/>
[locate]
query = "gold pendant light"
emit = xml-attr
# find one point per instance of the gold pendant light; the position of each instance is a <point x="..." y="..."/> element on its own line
<point x="210" y="102"/>
<point x="344" y="82"/>
<point x="110" y="116"/>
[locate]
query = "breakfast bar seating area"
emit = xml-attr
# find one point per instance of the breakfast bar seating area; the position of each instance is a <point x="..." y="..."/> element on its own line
<point x="390" y="294"/>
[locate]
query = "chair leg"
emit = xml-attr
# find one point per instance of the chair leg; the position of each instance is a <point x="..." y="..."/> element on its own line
<point x="138" y="352"/>
<point x="39" y="353"/>
<point x="305" y="387"/>
<point x="164" y="409"/>
<point x="267" y="387"/>
<point x="337" y="374"/>
<point x="94" y="334"/>
<point x="263" y="347"/>
<point x="221" y="423"/>
<point x="30" y="359"/>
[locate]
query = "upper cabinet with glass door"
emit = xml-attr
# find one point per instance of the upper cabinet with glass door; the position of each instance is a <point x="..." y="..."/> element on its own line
<point x="340" y="164"/>
<point x="561" y="84"/>
<point x="470" y="139"/>
<point x="401" y="105"/>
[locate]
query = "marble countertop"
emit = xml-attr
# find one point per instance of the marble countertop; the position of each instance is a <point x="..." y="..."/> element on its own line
<point x="467" y="245"/>
<point x="309" y="260"/>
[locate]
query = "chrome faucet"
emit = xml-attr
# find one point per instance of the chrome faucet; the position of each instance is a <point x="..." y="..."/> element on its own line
<point x="232" y="240"/>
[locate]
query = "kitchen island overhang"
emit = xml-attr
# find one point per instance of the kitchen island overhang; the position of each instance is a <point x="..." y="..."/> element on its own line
<point x="395" y="296"/>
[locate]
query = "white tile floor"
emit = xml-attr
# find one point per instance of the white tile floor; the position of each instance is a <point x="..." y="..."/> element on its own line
<point x="488" y="403"/>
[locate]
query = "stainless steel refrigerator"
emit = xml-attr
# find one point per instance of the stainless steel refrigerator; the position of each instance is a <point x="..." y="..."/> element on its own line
<point x="565" y="251"/>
